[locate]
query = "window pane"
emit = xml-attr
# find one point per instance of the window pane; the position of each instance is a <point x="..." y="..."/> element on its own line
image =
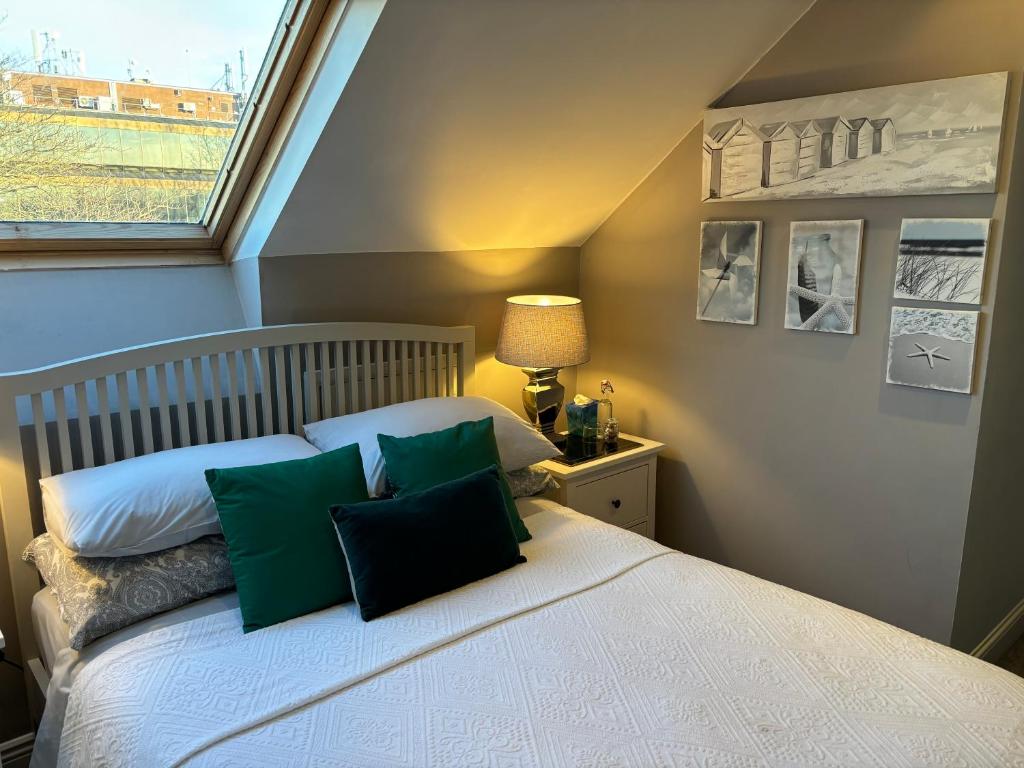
<point x="125" y="122"/>
<point x="110" y="149"/>
<point x="151" y="156"/>
<point x="171" y="144"/>
<point x="131" y="147"/>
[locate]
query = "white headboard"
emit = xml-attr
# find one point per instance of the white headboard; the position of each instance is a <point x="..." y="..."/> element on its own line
<point x="204" y="389"/>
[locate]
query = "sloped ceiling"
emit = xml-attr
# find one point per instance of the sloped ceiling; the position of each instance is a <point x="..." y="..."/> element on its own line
<point x="481" y="124"/>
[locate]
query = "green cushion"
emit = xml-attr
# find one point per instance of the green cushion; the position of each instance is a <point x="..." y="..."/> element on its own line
<point x="406" y="549"/>
<point x="420" y="462"/>
<point x="282" y="544"/>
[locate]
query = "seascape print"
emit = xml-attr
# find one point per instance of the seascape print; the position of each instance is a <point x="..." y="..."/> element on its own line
<point x="932" y="348"/>
<point x="942" y="260"/>
<point x="938" y="137"/>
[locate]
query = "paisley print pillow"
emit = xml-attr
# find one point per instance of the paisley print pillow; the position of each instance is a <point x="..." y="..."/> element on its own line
<point x="100" y="595"/>
<point x="530" y="481"/>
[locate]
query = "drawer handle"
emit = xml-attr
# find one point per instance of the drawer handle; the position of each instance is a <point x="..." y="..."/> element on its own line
<point x="616" y="503"/>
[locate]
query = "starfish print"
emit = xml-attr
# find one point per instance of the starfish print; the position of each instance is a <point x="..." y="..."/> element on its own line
<point x="828" y="304"/>
<point x="932" y="354"/>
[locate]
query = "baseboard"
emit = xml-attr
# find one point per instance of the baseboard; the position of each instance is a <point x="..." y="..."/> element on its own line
<point x="17" y="748"/>
<point x="1003" y="635"/>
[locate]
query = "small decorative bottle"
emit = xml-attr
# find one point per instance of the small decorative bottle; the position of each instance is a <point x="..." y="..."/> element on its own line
<point x="607" y="424"/>
<point x="611" y="432"/>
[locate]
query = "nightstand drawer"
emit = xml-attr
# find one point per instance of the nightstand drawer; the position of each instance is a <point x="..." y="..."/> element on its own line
<point x="640" y="528"/>
<point x="619" y="499"/>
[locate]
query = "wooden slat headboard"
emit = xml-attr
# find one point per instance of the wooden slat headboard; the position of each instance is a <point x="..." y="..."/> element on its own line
<point x="203" y="389"/>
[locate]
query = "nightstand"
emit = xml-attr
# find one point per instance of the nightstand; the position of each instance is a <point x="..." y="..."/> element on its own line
<point x="617" y="488"/>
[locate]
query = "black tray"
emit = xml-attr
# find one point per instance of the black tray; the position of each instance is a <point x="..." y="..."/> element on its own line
<point x="575" y="450"/>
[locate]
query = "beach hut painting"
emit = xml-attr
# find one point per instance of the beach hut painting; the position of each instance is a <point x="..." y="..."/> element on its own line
<point x="808" y="148"/>
<point x="835" y="136"/>
<point x="780" y="156"/>
<point x="936" y="137"/>
<point x="735" y="158"/>
<point x="862" y="135"/>
<point x="883" y="138"/>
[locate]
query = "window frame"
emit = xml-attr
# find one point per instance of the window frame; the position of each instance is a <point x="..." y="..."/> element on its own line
<point x="299" y="43"/>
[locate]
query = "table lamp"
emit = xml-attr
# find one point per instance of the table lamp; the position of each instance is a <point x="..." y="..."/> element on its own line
<point x="541" y="334"/>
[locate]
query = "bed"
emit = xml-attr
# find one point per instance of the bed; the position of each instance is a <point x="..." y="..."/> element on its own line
<point x="604" y="648"/>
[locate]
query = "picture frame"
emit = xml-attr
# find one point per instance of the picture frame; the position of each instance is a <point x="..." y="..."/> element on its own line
<point x="823" y="276"/>
<point x="933" y="348"/>
<point x="942" y="260"/>
<point x="926" y="138"/>
<point x="729" y="274"/>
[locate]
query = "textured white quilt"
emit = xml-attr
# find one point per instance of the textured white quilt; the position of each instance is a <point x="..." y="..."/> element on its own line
<point x="604" y="649"/>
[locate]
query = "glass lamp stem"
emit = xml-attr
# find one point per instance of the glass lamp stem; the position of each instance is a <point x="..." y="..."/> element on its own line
<point x="542" y="398"/>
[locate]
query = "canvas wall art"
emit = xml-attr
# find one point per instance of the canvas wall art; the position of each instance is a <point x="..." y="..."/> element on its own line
<point x="937" y="137"/>
<point x="932" y="348"/>
<point x="730" y="260"/>
<point x="942" y="260"/>
<point x="824" y="275"/>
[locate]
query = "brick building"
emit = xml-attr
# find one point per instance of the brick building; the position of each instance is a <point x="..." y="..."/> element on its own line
<point x="133" y="97"/>
<point x="124" y="149"/>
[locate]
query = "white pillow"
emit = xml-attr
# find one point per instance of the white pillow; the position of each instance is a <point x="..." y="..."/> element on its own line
<point x="519" y="444"/>
<point x="151" y="502"/>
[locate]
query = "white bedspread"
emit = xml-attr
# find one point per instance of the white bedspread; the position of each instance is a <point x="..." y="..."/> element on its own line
<point x="604" y="649"/>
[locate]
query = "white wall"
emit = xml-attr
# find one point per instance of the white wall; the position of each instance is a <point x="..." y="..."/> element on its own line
<point x="50" y="316"/>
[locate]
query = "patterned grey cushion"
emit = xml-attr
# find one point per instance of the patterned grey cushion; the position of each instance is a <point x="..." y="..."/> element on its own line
<point x="100" y="595"/>
<point x="530" y="481"/>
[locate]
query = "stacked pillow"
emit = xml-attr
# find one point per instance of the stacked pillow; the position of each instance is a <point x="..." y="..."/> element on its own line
<point x="132" y="539"/>
<point x="100" y="595"/>
<point x="519" y="444"/>
<point x="150" y="502"/>
<point x="290" y="510"/>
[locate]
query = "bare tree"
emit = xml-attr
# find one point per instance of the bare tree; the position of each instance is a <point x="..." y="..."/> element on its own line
<point x="53" y="168"/>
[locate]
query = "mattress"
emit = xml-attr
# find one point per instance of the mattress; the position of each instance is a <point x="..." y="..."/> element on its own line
<point x="50" y="630"/>
<point x="603" y="649"/>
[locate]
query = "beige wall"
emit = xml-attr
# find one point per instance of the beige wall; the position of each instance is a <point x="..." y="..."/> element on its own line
<point x="788" y="456"/>
<point x="992" y="572"/>
<point x="453" y="288"/>
<point x="472" y="124"/>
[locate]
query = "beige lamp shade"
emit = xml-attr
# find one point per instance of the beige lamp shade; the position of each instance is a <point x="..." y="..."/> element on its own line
<point x="543" y="332"/>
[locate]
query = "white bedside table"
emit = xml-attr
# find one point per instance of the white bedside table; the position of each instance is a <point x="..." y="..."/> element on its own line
<point x="618" y="488"/>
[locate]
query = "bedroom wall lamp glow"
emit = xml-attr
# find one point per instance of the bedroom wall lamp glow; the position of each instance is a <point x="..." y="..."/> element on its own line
<point x="542" y="334"/>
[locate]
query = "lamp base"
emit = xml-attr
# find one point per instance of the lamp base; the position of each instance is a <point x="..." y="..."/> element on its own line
<point x="542" y="398"/>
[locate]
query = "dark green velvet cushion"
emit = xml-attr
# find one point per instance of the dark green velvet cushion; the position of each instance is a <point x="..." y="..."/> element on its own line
<point x="412" y="547"/>
<point x="420" y="462"/>
<point x="282" y="545"/>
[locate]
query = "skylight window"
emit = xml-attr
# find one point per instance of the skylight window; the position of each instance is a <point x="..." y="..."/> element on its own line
<point x="124" y="111"/>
